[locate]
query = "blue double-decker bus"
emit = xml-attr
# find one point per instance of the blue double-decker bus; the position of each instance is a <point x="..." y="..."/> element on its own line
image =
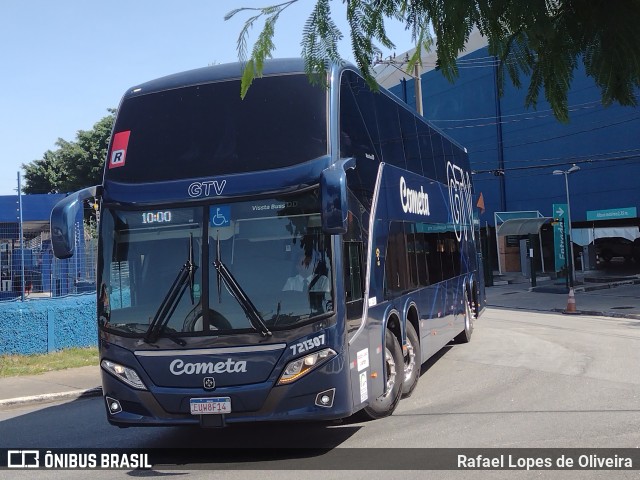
<point x="294" y="255"/>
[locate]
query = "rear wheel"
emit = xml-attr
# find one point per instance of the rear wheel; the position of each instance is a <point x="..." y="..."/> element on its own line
<point x="465" y="335"/>
<point x="386" y="403"/>
<point x="412" y="361"/>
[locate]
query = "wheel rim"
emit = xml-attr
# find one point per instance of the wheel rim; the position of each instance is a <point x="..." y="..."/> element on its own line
<point x="410" y="361"/>
<point x="391" y="373"/>
<point x="468" y="317"/>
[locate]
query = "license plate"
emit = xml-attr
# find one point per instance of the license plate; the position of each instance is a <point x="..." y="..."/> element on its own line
<point x="210" y="406"/>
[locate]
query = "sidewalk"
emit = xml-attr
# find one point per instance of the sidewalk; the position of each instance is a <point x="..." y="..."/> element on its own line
<point x="596" y="293"/>
<point x="53" y="386"/>
<point x="601" y="295"/>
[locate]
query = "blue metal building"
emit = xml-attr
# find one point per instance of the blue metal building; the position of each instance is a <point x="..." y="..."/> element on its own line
<point x="514" y="150"/>
<point x="43" y="274"/>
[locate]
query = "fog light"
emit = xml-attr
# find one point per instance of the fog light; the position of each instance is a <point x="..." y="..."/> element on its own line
<point x="325" y="399"/>
<point x="113" y="405"/>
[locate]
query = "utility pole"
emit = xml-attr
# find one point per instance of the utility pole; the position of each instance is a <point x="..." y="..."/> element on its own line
<point x="418" y="86"/>
<point x="503" y="187"/>
<point x="417" y="81"/>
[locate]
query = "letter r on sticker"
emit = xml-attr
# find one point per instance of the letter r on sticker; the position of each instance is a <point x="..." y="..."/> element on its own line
<point x="117" y="158"/>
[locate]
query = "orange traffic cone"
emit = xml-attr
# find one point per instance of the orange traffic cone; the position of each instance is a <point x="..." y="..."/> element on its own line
<point x="571" y="302"/>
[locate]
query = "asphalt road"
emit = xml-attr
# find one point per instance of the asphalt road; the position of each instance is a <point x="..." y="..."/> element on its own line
<point x="527" y="380"/>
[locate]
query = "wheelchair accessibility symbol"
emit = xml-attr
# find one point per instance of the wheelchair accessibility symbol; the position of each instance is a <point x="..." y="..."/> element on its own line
<point x="220" y="216"/>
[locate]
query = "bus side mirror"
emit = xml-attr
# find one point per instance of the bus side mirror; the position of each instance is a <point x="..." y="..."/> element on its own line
<point x="63" y="218"/>
<point x="333" y="195"/>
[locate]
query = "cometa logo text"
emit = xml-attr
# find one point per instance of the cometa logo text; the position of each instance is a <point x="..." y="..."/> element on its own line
<point x="178" y="367"/>
<point x="413" y="201"/>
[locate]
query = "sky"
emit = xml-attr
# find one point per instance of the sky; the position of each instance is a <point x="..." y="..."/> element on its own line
<point x="67" y="61"/>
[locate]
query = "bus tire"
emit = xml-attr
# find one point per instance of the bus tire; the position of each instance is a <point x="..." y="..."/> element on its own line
<point x="465" y="335"/>
<point x="385" y="404"/>
<point x="412" y="362"/>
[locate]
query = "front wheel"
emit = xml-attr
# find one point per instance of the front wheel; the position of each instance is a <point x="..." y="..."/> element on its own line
<point x="385" y="404"/>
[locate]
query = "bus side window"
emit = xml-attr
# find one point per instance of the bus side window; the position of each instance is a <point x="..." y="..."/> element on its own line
<point x="353" y="271"/>
<point x="434" y="253"/>
<point x="397" y="273"/>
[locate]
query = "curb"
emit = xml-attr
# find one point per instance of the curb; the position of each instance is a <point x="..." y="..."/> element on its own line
<point x="610" y="285"/>
<point x="591" y="313"/>
<point x="581" y="288"/>
<point x="51" y="397"/>
<point x="586" y="285"/>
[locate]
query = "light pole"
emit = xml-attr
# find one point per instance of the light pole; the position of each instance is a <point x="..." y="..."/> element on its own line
<point x="566" y="174"/>
<point x="22" y="285"/>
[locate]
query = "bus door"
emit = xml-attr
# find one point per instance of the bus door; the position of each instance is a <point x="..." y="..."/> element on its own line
<point x="364" y="330"/>
<point x="366" y="359"/>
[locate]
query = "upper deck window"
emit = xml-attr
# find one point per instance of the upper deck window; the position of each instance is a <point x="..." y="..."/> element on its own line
<point x="208" y="130"/>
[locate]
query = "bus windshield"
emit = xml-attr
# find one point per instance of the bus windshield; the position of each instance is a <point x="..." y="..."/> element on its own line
<point x="208" y="130"/>
<point x="265" y="262"/>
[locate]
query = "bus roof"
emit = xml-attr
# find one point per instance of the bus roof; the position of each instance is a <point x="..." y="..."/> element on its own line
<point x="214" y="73"/>
<point x="272" y="67"/>
<point x="233" y="71"/>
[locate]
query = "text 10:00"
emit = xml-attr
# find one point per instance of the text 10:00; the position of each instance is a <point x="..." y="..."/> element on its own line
<point x="156" y="217"/>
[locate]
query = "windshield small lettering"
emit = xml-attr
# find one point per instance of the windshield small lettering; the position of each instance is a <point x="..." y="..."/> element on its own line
<point x="178" y="367"/>
<point x="274" y="206"/>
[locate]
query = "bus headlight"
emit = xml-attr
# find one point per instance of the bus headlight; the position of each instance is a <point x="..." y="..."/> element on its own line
<point x="304" y="365"/>
<point x="125" y="374"/>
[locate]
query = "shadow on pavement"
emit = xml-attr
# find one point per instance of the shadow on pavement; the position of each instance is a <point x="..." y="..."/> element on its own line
<point x="82" y="424"/>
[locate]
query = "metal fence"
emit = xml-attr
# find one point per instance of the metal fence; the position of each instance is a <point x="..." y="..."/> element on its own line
<point x="33" y="260"/>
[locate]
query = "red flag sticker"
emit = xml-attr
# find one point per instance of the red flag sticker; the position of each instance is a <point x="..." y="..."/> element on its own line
<point x="119" y="149"/>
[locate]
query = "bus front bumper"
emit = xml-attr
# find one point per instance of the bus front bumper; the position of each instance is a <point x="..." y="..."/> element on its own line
<point x="323" y="394"/>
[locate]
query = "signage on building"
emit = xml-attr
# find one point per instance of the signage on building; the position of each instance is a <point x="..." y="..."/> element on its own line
<point x="612" y="213"/>
<point x="559" y="235"/>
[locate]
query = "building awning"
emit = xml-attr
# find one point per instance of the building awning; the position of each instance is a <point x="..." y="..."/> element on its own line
<point x="522" y="226"/>
<point x="585" y="236"/>
<point x="526" y="222"/>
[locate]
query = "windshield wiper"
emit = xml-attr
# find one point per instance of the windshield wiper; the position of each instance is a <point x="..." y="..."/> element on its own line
<point x="166" y="333"/>
<point x="172" y="298"/>
<point x="239" y="294"/>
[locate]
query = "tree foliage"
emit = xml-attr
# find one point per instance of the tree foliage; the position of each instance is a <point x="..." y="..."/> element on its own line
<point x="540" y="40"/>
<point x="74" y="164"/>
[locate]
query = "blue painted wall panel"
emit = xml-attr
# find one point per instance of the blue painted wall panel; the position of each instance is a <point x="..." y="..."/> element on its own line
<point x="24" y="325"/>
